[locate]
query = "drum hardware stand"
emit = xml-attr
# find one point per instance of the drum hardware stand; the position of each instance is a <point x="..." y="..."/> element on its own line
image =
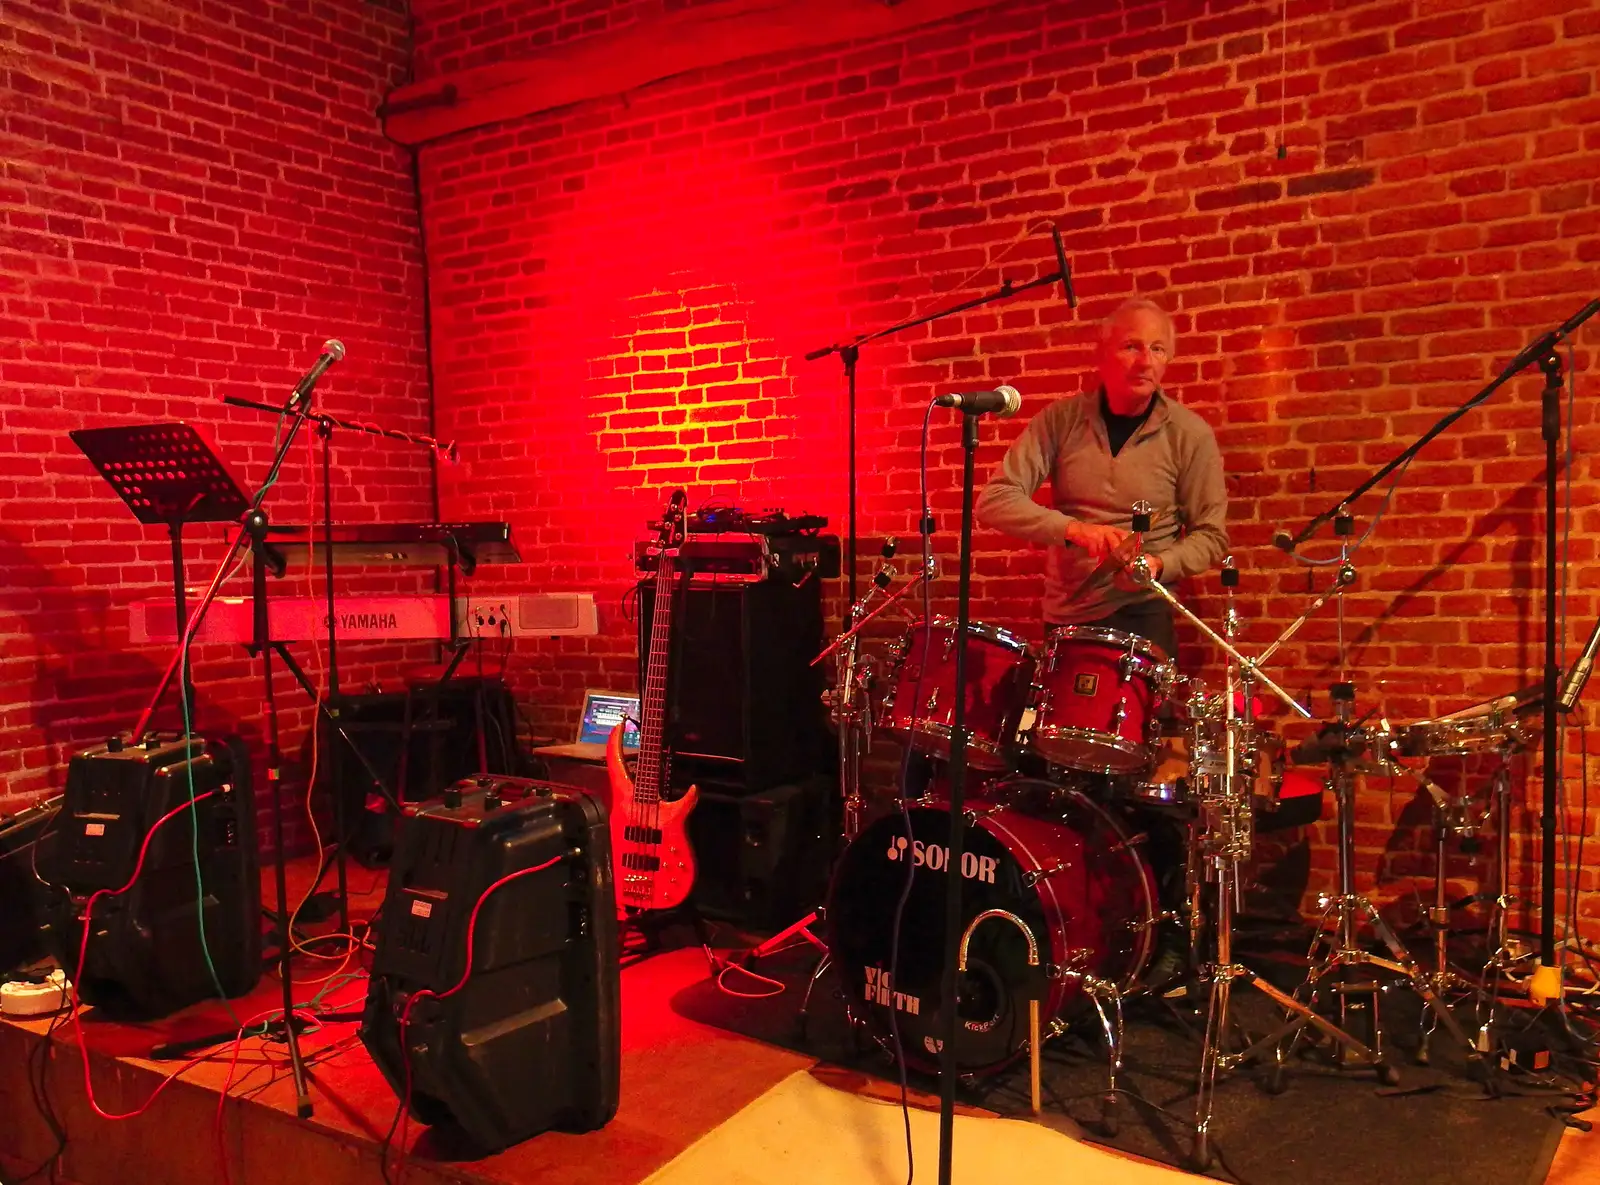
<point x="852" y="707"/>
<point x="1545" y="986"/>
<point x="1450" y="818"/>
<point x="1343" y="951"/>
<point x="1228" y="841"/>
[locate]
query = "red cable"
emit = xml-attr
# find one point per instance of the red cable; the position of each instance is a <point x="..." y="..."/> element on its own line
<point x="405" y="1013"/>
<point x="233" y="1065"/>
<point x="83" y="956"/>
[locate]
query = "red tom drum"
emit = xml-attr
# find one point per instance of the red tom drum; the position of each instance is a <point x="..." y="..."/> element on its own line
<point x="1095" y="698"/>
<point x="919" y="705"/>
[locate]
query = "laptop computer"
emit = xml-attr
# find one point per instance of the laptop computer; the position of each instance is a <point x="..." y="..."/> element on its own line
<point x="602" y="711"/>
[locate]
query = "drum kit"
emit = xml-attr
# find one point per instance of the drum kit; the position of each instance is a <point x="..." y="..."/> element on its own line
<point x="1083" y="753"/>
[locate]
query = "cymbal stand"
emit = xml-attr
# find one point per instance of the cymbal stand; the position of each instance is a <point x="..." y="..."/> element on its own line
<point x="1502" y="958"/>
<point x="1225" y="841"/>
<point x="1452" y="817"/>
<point x="1335" y="947"/>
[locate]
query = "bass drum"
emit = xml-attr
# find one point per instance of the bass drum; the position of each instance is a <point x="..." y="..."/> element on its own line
<point x="1075" y="880"/>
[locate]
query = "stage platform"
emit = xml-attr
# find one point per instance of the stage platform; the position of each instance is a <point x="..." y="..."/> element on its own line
<point x="698" y="1104"/>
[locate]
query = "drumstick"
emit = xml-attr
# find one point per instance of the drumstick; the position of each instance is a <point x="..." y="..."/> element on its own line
<point x="1119" y="556"/>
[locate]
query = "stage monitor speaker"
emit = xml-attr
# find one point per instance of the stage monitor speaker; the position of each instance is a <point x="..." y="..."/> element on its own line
<point x="762" y="860"/>
<point x="744" y="705"/>
<point x="146" y="955"/>
<point x="24" y="838"/>
<point x="531" y="1040"/>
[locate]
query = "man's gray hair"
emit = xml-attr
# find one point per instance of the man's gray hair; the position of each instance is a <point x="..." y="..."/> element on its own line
<point x="1139" y="304"/>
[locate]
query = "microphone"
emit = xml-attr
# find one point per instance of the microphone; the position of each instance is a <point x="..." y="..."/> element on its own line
<point x="1572" y="686"/>
<point x="888" y="548"/>
<point x="332" y="351"/>
<point x="1002" y="401"/>
<point x="1283" y="541"/>
<point x="1066" y="272"/>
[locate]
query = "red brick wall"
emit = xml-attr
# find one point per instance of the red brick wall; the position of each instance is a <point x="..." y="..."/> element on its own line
<point x="459" y="34"/>
<point x="1432" y="208"/>
<point x="192" y="198"/>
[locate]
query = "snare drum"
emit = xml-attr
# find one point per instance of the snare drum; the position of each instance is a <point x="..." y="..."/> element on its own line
<point x="919" y="704"/>
<point x="1095" y="698"/>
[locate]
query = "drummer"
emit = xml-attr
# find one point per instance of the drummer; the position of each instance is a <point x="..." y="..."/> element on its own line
<point x="1103" y="450"/>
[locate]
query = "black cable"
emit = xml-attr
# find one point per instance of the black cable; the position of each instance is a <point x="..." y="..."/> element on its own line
<point x="388" y="1141"/>
<point x="39" y="1088"/>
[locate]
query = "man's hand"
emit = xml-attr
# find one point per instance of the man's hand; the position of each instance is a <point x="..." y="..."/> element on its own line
<point x="1098" y="541"/>
<point x="1126" y="579"/>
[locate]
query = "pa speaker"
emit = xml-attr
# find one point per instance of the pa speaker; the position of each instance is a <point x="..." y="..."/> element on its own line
<point x="147" y="953"/>
<point x="520" y="1033"/>
<point x="763" y="858"/>
<point x="24" y="845"/>
<point x="744" y="705"/>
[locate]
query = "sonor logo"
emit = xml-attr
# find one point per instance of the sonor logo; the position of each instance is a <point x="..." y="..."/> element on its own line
<point x="880" y="991"/>
<point x="1085" y="684"/>
<point x="936" y="857"/>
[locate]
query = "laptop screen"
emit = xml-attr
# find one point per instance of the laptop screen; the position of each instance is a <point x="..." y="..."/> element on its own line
<point x="603" y="711"/>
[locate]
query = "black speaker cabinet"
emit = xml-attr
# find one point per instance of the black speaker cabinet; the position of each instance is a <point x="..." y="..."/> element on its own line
<point x="531" y="1041"/>
<point x="415" y="756"/>
<point x="744" y="707"/>
<point x="22" y="920"/>
<point x="146" y="955"/>
<point x="762" y="859"/>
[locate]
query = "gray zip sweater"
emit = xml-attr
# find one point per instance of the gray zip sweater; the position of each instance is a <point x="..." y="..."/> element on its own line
<point x="1172" y="462"/>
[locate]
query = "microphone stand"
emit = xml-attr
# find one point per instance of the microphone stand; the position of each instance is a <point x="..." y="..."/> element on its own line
<point x="850" y="353"/>
<point x="950" y="984"/>
<point x="1544" y="346"/>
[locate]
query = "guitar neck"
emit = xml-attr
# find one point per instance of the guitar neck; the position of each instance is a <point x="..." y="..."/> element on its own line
<point x="651" y="775"/>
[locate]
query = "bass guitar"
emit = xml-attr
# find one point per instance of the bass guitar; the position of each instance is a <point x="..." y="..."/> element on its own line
<point x="650" y="853"/>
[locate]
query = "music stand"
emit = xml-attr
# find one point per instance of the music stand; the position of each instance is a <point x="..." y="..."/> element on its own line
<point x="168" y="475"/>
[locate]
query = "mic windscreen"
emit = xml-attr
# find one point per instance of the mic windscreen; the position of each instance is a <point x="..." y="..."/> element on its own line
<point x="1013" y="403"/>
<point x="335" y="347"/>
<point x="1283" y="541"/>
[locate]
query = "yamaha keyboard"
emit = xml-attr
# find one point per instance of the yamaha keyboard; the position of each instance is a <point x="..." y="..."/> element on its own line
<point x="397" y="618"/>
<point x="419" y="617"/>
<point x="419" y="545"/>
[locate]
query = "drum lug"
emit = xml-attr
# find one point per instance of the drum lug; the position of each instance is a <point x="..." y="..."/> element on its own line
<point x="933" y="702"/>
<point x="949" y="645"/>
<point x="973" y="814"/>
<point x="1119" y="713"/>
<point x="1029" y="879"/>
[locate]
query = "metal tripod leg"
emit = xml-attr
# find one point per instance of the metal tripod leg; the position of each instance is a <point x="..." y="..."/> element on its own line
<point x="1215" y="1059"/>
